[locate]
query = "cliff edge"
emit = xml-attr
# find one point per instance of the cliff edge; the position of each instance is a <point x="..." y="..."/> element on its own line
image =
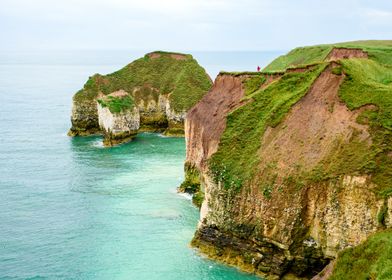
<point x="292" y="166"/>
<point x="152" y="93"/>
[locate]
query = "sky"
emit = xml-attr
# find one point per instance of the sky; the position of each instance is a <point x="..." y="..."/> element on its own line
<point x="186" y="25"/>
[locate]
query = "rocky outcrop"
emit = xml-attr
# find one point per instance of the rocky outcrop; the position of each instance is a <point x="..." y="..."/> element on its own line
<point x="163" y="87"/>
<point x="84" y="118"/>
<point x="294" y="215"/>
<point x="150" y="112"/>
<point x="118" y="127"/>
<point x="156" y="112"/>
<point x="286" y="233"/>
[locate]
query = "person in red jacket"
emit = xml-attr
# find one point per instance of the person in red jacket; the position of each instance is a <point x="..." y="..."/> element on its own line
<point x="258" y="68"/>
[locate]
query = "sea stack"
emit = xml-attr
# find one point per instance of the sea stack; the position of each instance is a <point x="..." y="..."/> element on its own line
<point x="152" y="93"/>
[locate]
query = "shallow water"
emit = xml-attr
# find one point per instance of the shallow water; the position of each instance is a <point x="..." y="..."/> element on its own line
<point x="71" y="209"/>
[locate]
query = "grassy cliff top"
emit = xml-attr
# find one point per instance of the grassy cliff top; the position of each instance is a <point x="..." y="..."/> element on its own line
<point x="367" y="81"/>
<point x="369" y="260"/>
<point x="170" y="73"/>
<point x="250" y="73"/>
<point x="117" y="104"/>
<point x="380" y="51"/>
<point x="166" y="53"/>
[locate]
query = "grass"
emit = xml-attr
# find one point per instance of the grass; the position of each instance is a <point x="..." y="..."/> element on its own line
<point x="379" y="51"/>
<point x="299" y="56"/>
<point x="198" y="198"/>
<point x="236" y="159"/>
<point x="192" y="185"/>
<point x="185" y="80"/>
<point x="369" y="260"/>
<point x="254" y="83"/>
<point x="169" y="53"/>
<point x="382" y="215"/>
<point x="367" y="82"/>
<point x="117" y="104"/>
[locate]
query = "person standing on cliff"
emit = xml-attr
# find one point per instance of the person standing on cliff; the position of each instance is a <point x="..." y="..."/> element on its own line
<point x="258" y="68"/>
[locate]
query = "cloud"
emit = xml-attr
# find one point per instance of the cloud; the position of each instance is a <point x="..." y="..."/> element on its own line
<point x="189" y="24"/>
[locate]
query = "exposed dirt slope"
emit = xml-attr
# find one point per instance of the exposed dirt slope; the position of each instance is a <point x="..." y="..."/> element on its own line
<point x="206" y="121"/>
<point x="311" y="129"/>
<point x="346" y="53"/>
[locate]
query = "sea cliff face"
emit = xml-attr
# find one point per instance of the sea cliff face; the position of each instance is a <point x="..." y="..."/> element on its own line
<point x="84" y="118"/>
<point x="162" y="86"/>
<point x="120" y="126"/>
<point x="288" y="162"/>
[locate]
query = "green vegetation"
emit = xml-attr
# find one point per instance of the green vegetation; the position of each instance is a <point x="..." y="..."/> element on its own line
<point x="192" y="185"/>
<point x="117" y="104"/>
<point x="382" y="214"/>
<point x="236" y="159"/>
<point x="299" y="56"/>
<point x="184" y="79"/>
<point x="169" y="53"/>
<point x="366" y="83"/>
<point x="254" y="83"/>
<point x="250" y="73"/>
<point x="366" y="89"/>
<point x="267" y="191"/>
<point x="198" y="198"/>
<point x="337" y="70"/>
<point x="379" y="51"/>
<point x="369" y="260"/>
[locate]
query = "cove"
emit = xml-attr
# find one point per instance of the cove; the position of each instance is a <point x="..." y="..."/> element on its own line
<point x="119" y="217"/>
<point x="71" y="209"/>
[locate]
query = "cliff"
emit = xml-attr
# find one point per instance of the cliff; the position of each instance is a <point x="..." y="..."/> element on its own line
<point x="118" y="117"/>
<point x="293" y="165"/>
<point x="160" y="86"/>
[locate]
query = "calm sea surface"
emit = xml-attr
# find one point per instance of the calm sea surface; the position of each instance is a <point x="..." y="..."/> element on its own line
<point x="71" y="209"/>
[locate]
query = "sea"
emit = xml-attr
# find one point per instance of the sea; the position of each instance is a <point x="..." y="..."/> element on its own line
<point x="73" y="209"/>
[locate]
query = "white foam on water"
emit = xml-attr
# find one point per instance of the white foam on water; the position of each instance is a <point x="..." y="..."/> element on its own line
<point x="162" y="135"/>
<point x="98" y="144"/>
<point x="186" y="196"/>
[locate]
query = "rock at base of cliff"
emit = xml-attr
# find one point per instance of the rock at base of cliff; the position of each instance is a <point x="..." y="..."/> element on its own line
<point x="111" y="139"/>
<point x="118" y="126"/>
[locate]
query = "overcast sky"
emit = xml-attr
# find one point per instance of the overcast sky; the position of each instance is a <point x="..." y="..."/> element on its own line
<point x="187" y="25"/>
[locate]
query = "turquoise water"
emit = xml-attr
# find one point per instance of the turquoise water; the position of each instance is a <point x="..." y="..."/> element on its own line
<point x="71" y="209"/>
